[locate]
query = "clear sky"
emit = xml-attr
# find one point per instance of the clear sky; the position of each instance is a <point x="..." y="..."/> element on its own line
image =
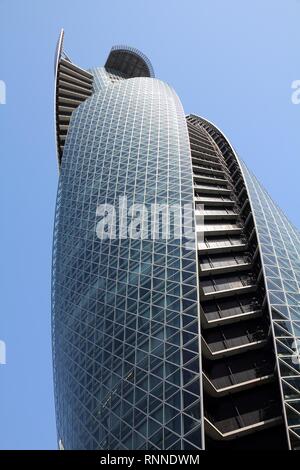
<point x="230" y="61"/>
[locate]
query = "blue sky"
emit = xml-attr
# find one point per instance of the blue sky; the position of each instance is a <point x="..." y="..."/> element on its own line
<point x="232" y="62"/>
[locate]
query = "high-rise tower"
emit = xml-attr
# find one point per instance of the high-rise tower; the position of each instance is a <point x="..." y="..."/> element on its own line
<point x="166" y="342"/>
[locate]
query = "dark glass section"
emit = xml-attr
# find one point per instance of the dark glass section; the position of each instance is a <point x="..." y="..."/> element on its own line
<point x="129" y="62"/>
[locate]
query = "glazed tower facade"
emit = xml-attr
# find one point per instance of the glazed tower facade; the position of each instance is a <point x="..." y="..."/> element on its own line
<point x="164" y="342"/>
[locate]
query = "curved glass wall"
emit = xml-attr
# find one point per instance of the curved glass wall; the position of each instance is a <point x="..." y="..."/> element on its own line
<point x="125" y="310"/>
<point x="279" y="242"/>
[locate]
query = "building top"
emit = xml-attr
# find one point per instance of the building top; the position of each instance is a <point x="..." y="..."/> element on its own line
<point x="129" y="61"/>
<point x="73" y="84"/>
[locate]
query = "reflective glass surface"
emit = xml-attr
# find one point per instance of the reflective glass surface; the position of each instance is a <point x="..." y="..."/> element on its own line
<point x="280" y="248"/>
<point x="125" y="311"/>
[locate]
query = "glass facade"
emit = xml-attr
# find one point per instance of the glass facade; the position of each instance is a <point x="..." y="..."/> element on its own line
<point x="125" y="311"/>
<point x="279" y="243"/>
<point x="165" y="342"/>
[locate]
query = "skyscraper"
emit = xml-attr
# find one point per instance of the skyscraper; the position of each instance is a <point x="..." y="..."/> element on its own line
<point x="163" y="341"/>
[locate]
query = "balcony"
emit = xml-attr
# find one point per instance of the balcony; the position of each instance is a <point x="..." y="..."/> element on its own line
<point x="65" y="76"/>
<point x="204" y="156"/>
<point x="217" y="201"/>
<point x="197" y="160"/>
<point x="227" y="350"/>
<point x="201" y="148"/>
<point x="211" y="189"/>
<point x="246" y="384"/>
<point x="220" y="228"/>
<point x="75" y="68"/>
<point x="216" y="214"/>
<point x="209" y="170"/>
<point x="229" y="419"/>
<point x="227" y="286"/>
<point x="75" y="72"/>
<point x="230" y="308"/>
<point x="72" y="86"/>
<point x="69" y="101"/>
<point x="222" y="245"/>
<point x="234" y="339"/>
<point x="67" y="93"/>
<point x="239" y="373"/>
<point x="197" y="132"/>
<point x="224" y="263"/>
<point x="209" y="179"/>
<point x="198" y="139"/>
<point x="65" y="109"/>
